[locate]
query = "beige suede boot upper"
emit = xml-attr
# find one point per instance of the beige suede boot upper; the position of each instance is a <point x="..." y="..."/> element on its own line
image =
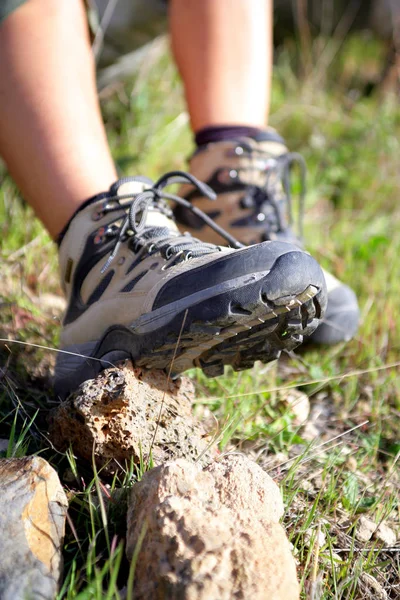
<point x="231" y="168"/>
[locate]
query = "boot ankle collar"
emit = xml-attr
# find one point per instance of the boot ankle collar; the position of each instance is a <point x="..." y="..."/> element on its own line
<point x="84" y="204"/>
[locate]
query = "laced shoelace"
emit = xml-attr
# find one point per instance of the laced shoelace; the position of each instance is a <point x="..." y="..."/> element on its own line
<point x="153" y="238"/>
<point x="278" y="167"/>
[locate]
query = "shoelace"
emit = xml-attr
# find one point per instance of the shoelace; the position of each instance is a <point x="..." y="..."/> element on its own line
<point x="161" y="239"/>
<point x="280" y="167"/>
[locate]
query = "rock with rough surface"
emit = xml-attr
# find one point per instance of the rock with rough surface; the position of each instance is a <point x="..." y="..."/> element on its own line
<point x="127" y="413"/>
<point x="364" y="529"/>
<point x="213" y="533"/>
<point x="33" y="508"/>
<point x="386" y="535"/>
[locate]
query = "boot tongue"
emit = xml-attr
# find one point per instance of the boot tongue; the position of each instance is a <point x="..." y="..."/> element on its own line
<point x="134" y="187"/>
<point x="274" y="148"/>
<point x="131" y="186"/>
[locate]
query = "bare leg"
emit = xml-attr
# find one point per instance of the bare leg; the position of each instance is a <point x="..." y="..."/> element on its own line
<point x="223" y="49"/>
<point x="51" y="133"/>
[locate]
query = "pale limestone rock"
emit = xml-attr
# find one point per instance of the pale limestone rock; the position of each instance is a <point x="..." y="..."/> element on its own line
<point x="364" y="529"/>
<point x="310" y="432"/>
<point x="315" y="536"/>
<point x="386" y="535"/>
<point x="33" y="508"/>
<point x="127" y="413"/>
<point x="298" y="403"/>
<point x="209" y="533"/>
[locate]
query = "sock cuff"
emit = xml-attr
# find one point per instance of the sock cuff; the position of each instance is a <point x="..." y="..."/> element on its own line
<point x="221" y="133"/>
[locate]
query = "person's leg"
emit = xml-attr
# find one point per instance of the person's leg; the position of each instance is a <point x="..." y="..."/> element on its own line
<point x="51" y="133"/>
<point x="223" y="50"/>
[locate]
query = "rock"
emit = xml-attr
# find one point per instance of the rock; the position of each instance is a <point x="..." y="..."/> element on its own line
<point x="364" y="529"/>
<point x="242" y="485"/>
<point x="318" y="420"/>
<point x="310" y="432"/>
<point x="371" y="587"/>
<point x="308" y="487"/>
<point x="298" y="404"/>
<point x="315" y="536"/>
<point x="351" y="464"/>
<point x="386" y="535"/>
<point x="209" y="533"/>
<point x="127" y="413"/>
<point x="33" y="508"/>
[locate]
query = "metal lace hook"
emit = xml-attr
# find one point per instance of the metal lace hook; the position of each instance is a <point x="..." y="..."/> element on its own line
<point x="182" y="177"/>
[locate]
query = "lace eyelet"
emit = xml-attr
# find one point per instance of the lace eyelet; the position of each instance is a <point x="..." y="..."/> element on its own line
<point x="112" y="229"/>
<point x="97" y="215"/>
<point x="247" y="202"/>
<point x="100" y="236"/>
<point x="270" y="163"/>
<point x="227" y="175"/>
<point x="121" y="260"/>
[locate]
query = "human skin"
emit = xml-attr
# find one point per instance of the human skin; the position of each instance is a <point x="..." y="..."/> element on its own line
<point x="223" y="49"/>
<point x="52" y="137"/>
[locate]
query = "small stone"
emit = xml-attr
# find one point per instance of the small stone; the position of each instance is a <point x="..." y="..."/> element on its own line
<point x="314" y="534"/>
<point x="371" y="586"/>
<point x="364" y="529"/>
<point x="310" y="432"/>
<point x="318" y="420"/>
<point x="298" y="404"/>
<point x="351" y="464"/>
<point x="386" y="535"/>
<point x="209" y="533"/>
<point x="308" y="487"/>
<point x="33" y="509"/>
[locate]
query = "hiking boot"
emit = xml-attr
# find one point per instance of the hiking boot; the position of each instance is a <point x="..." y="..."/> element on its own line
<point x="136" y="288"/>
<point x="252" y="181"/>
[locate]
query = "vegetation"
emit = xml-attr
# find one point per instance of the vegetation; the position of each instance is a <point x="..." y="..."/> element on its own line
<point x="349" y="133"/>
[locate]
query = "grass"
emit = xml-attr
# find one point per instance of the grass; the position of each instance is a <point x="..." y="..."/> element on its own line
<point x="351" y="142"/>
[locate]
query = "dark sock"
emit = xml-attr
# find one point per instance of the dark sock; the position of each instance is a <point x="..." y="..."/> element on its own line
<point x="84" y="204"/>
<point x="222" y="133"/>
